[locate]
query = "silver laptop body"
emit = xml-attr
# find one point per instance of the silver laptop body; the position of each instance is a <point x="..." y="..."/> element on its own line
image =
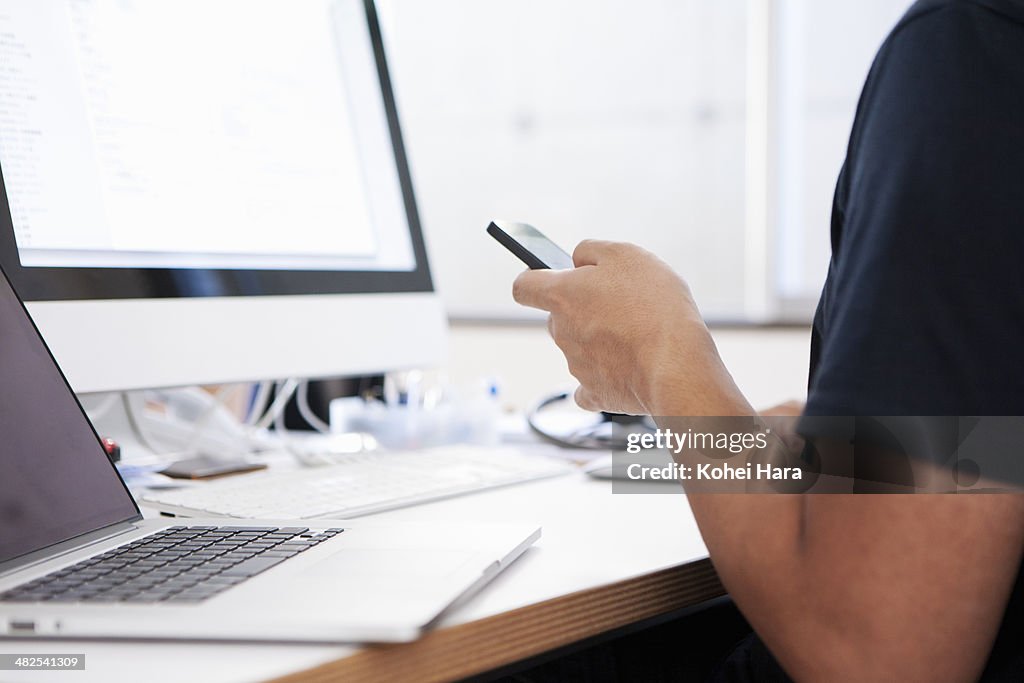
<point x="77" y="560"/>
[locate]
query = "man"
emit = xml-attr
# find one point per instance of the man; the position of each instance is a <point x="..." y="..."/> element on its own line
<point x="922" y="314"/>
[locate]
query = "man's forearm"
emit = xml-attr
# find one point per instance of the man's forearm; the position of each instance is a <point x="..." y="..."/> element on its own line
<point x="813" y="573"/>
<point x="835" y="584"/>
<point x="756" y="543"/>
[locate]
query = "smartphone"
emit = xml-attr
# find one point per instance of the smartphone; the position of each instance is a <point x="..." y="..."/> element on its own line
<point x="210" y="467"/>
<point x="531" y="245"/>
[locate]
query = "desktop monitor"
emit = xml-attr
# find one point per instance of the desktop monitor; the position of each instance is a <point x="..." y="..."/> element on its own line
<point x="205" y="191"/>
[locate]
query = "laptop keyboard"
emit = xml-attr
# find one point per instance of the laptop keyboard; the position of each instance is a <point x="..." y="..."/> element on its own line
<point x="180" y="564"/>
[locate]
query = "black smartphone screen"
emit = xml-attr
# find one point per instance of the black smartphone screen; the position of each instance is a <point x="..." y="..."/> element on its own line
<point x="531" y="245"/>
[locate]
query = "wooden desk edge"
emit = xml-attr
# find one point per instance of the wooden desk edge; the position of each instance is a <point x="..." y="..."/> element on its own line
<point x="466" y="649"/>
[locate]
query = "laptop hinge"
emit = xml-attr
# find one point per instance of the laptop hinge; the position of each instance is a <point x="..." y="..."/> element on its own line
<point x="64" y="547"/>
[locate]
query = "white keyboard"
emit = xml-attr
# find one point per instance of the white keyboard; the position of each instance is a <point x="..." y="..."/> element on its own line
<point x="359" y="485"/>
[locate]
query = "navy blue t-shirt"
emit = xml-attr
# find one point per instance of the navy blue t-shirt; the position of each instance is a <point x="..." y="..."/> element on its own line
<point x="923" y="309"/>
<point x="922" y="312"/>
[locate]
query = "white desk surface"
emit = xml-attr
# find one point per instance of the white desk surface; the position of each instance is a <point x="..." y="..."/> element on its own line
<point x="590" y="538"/>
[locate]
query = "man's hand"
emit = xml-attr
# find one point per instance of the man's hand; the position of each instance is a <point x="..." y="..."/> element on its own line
<point x="787" y="409"/>
<point x="632" y="334"/>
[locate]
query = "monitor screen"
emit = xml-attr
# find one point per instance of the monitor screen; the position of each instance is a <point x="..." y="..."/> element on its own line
<point x="122" y="147"/>
<point x="174" y="154"/>
<point x="248" y="136"/>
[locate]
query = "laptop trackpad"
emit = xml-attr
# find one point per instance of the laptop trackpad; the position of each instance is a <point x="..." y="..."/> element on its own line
<point x="381" y="584"/>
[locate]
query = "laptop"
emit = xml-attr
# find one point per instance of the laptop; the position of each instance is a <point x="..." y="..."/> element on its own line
<point x="77" y="559"/>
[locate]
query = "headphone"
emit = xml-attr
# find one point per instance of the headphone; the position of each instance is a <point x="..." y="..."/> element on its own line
<point x="606" y="434"/>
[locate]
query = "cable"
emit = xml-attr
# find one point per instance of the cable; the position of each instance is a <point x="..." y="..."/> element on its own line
<point x="284" y="393"/>
<point x="136" y="428"/>
<point x="259" y="402"/>
<point x="220" y="397"/>
<point x="279" y="425"/>
<point x="302" y="456"/>
<point x="302" y="401"/>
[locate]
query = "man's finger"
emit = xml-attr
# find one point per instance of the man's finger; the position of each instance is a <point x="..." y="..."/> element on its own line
<point x="591" y="252"/>
<point x="535" y="288"/>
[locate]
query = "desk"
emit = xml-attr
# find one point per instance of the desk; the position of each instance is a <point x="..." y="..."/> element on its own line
<point x="604" y="561"/>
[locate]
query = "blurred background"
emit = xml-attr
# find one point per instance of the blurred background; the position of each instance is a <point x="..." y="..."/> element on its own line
<point x="709" y="132"/>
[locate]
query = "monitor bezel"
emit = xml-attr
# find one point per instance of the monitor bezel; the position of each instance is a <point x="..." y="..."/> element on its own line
<point x="82" y="284"/>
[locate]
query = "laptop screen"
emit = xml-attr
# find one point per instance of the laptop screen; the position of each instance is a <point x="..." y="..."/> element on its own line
<point x="56" y="481"/>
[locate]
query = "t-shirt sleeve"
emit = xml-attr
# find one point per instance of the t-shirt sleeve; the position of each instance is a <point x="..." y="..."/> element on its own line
<point x="926" y="295"/>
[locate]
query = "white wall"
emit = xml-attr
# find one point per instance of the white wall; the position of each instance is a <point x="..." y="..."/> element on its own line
<point x="825" y="50"/>
<point x="624" y="119"/>
<point x="769" y="365"/>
